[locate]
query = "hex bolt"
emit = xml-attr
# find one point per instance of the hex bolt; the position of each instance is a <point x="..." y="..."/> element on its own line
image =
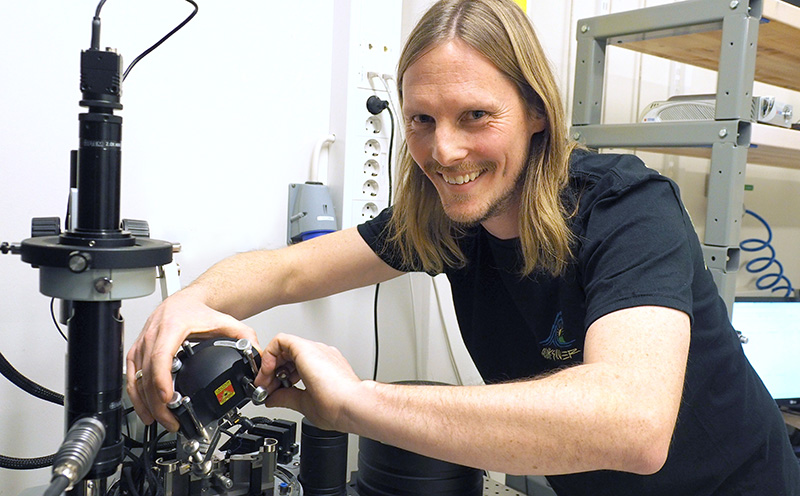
<point x="224" y="481"/>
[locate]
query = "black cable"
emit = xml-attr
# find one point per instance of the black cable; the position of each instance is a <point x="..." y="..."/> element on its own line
<point x="55" y="321"/>
<point x="376" y="105"/>
<point x="389" y="160"/>
<point x="57" y="486"/>
<point x="152" y="479"/>
<point x="162" y="446"/>
<point x="13" y="463"/>
<point x="162" y="40"/>
<point x="95" y="45"/>
<point x="28" y="385"/>
<point x="99" y="8"/>
<point x="377" y="339"/>
<point x="126" y="474"/>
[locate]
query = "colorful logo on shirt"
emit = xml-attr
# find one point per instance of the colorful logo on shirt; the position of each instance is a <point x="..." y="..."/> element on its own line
<point x="556" y="347"/>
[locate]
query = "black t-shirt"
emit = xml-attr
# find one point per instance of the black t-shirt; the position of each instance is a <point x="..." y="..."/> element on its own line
<point x="635" y="245"/>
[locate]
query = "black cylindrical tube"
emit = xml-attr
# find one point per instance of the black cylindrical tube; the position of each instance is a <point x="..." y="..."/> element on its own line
<point x="94" y="376"/>
<point x="385" y="470"/>
<point x="99" y="171"/>
<point x="323" y="461"/>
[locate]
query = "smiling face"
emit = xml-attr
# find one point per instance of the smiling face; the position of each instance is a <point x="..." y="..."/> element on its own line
<point x="468" y="128"/>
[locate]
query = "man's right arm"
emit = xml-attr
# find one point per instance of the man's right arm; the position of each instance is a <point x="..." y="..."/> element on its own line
<point x="236" y="288"/>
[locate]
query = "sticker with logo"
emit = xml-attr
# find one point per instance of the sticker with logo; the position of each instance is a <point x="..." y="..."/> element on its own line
<point x="225" y="392"/>
<point x="556" y="347"/>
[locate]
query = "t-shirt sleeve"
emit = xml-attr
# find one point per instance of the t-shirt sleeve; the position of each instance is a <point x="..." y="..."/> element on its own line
<point x="637" y="249"/>
<point x="375" y="233"/>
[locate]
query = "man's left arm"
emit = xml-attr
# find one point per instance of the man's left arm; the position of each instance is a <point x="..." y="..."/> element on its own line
<point x="615" y="411"/>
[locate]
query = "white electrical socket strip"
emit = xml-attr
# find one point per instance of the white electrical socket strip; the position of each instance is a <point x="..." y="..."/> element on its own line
<point x="366" y="47"/>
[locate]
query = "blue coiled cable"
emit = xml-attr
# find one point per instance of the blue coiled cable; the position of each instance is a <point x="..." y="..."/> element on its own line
<point x="760" y="264"/>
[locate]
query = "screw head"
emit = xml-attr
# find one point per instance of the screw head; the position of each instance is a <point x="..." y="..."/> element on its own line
<point x="176" y="401"/>
<point x="584" y="28"/>
<point x="78" y="261"/>
<point x="734" y="4"/>
<point x="723" y="133"/>
<point x="103" y="285"/>
<point x="243" y="345"/>
<point x="259" y="395"/>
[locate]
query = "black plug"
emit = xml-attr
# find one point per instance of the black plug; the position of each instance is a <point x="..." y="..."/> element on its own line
<point x="375" y="105"/>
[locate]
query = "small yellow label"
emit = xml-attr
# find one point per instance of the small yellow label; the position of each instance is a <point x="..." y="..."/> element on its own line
<point x="522" y="3"/>
<point x="225" y="392"/>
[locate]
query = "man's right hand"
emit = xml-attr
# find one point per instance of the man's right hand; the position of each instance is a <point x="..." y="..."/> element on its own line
<point x="149" y="361"/>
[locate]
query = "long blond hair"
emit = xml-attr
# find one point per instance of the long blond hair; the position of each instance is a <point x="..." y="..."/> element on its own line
<point x="502" y="32"/>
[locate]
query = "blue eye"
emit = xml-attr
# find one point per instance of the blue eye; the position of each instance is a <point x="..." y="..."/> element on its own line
<point x="422" y="119"/>
<point x="477" y="114"/>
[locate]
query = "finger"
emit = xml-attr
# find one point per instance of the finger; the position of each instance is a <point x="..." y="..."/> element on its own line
<point x="291" y="398"/>
<point x="283" y="347"/>
<point x="133" y="391"/>
<point x="279" y="353"/>
<point x="228" y="327"/>
<point x="157" y="387"/>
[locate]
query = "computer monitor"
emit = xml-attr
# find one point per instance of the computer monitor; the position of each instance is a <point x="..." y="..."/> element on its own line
<point x="771" y="327"/>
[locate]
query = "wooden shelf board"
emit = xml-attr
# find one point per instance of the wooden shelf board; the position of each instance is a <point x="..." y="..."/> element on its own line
<point x="777" y="58"/>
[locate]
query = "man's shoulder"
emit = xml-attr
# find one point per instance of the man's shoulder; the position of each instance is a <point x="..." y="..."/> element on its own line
<point x="593" y="167"/>
<point x="595" y="175"/>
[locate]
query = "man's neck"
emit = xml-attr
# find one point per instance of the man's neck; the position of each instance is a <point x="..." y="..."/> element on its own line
<point x="505" y="225"/>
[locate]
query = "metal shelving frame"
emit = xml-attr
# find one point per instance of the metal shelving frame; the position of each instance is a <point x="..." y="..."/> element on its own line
<point x="728" y="135"/>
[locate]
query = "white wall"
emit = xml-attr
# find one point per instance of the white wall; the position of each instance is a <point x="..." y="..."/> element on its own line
<point x="217" y="122"/>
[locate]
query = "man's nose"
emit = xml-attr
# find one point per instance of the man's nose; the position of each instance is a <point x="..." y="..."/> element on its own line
<point x="449" y="147"/>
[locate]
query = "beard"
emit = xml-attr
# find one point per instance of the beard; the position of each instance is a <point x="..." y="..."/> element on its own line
<point x="497" y="204"/>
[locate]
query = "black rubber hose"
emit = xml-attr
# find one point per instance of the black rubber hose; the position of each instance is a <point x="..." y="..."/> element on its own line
<point x="28" y="385"/>
<point x="57" y="486"/>
<point x="26" y="463"/>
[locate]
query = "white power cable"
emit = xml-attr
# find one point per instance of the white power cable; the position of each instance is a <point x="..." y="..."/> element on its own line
<point x="446" y="333"/>
<point x="392" y="92"/>
<point x="317" y="174"/>
<point x="463" y="365"/>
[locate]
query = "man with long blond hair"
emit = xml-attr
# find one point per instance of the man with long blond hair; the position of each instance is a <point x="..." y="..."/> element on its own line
<point x="578" y="281"/>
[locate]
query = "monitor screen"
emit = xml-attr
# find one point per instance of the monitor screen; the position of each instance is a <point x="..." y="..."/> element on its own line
<point x="772" y="329"/>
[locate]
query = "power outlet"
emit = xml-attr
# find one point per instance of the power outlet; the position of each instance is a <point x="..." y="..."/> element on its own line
<point x="372" y="168"/>
<point x="373" y="124"/>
